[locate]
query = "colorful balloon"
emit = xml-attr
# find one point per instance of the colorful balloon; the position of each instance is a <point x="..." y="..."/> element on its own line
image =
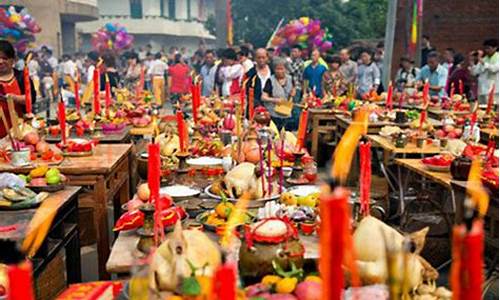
<point x="112" y="37"/>
<point x="305" y="32"/>
<point x="19" y="28"/>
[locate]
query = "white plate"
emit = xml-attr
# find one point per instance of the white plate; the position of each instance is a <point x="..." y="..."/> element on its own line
<point x="204" y="161"/>
<point x="179" y="191"/>
<point x="144" y="155"/>
<point x="304" y="190"/>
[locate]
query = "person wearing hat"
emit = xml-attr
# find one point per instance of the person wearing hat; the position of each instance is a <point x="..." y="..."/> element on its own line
<point x="406" y="76"/>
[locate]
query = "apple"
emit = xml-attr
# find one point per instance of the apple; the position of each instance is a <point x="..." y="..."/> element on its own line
<point x="440" y="133"/>
<point x="458" y="132"/>
<point x="452" y="135"/>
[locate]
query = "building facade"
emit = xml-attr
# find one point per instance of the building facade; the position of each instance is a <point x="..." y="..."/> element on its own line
<point x="160" y="23"/>
<point x="57" y="18"/>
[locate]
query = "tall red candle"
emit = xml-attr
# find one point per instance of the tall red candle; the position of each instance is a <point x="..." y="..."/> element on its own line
<point x="466" y="276"/>
<point x="365" y="177"/>
<point x="388" y="101"/>
<point x="61" y="112"/>
<point x="242" y="98"/>
<point x="460" y="86"/>
<point x="425" y="93"/>
<point x="282" y="158"/>
<point x="20" y="282"/>
<point x="491" y="96"/>
<point x="251" y="96"/>
<point x="181" y="130"/>
<point x="301" y="134"/>
<point x="107" y="93"/>
<point x="195" y="100"/>
<point x="423" y="117"/>
<point x="154" y="165"/>
<point x="77" y="92"/>
<point x="27" y="90"/>
<point x="95" y="82"/>
<point x="269" y="169"/>
<point x="224" y="282"/>
<point x="333" y="223"/>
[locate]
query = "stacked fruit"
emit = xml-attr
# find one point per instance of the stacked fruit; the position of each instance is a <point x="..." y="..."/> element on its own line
<point x="43" y="176"/>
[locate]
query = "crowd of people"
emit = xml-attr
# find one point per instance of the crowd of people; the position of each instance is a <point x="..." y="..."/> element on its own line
<point x="275" y="77"/>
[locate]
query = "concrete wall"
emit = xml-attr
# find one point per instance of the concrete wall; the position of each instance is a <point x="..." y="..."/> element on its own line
<point x="114" y="7"/>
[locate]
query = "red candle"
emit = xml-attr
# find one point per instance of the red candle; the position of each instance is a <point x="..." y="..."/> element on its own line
<point x="452" y="90"/>
<point x="333" y="209"/>
<point x="425" y="93"/>
<point x="77" y="92"/>
<point x="181" y="130"/>
<point x="491" y="96"/>
<point x="466" y="277"/>
<point x="61" y="112"/>
<point x="423" y="117"/>
<point x="461" y="86"/>
<point x="20" y="282"/>
<point x="27" y="90"/>
<point x="388" y="101"/>
<point x="261" y="165"/>
<point x="107" y="92"/>
<point x="154" y="166"/>
<point x="224" y="282"/>
<point x="301" y="134"/>
<point x="473" y="120"/>
<point x="95" y="82"/>
<point x="195" y="99"/>
<point x="250" y="103"/>
<point x="365" y="177"/>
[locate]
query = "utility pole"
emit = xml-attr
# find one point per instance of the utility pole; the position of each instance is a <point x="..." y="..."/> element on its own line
<point x="390" y="28"/>
<point x="220" y="23"/>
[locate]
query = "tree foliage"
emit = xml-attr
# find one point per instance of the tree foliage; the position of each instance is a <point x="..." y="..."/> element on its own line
<point x="255" y="20"/>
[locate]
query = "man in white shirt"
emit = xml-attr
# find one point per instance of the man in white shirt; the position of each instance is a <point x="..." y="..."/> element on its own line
<point x="68" y="67"/>
<point x="486" y="69"/>
<point x="156" y="71"/>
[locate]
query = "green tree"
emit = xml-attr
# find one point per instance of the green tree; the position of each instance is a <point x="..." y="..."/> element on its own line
<point x="255" y="20"/>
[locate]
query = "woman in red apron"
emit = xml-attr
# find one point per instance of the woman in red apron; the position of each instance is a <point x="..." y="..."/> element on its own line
<point x="11" y="84"/>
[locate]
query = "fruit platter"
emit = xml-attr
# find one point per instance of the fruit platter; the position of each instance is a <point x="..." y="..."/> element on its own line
<point x="438" y="163"/>
<point x="78" y="147"/>
<point x="215" y="220"/>
<point x="44" y="179"/>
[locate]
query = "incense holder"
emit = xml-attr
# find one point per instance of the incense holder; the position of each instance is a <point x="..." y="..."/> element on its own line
<point x="146" y="232"/>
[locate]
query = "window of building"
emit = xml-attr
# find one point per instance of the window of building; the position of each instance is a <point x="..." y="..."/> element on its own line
<point x="189" y="9"/>
<point x="136" y="9"/>
<point x="171" y="9"/>
<point x="162" y="8"/>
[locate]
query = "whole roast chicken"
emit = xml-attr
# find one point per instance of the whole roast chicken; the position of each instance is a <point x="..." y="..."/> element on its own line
<point x="242" y="178"/>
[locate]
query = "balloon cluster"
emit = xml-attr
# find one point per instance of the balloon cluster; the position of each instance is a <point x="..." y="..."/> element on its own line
<point x="112" y="37"/>
<point x="19" y="28"/>
<point x="305" y="32"/>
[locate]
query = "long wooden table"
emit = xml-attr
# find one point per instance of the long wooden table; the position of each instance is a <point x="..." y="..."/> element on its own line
<point x="62" y="235"/>
<point x="105" y="178"/>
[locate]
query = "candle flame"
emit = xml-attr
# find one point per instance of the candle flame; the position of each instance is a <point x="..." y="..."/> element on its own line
<point x="475" y="189"/>
<point x="235" y="219"/>
<point x="28" y="57"/>
<point x="344" y="152"/>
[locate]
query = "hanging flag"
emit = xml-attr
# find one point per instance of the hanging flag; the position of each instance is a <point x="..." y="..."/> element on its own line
<point x="229" y="22"/>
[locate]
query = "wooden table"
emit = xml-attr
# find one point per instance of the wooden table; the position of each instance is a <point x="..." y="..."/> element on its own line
<point x="120" y="137"/>
<point x="63" y="233"/>
<point x="410" y="148"/>
<point x="105" y="175"/>
<point x="416" y="165"/>
<point x="322" y="121"/>
<point x="124" y="252"/>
